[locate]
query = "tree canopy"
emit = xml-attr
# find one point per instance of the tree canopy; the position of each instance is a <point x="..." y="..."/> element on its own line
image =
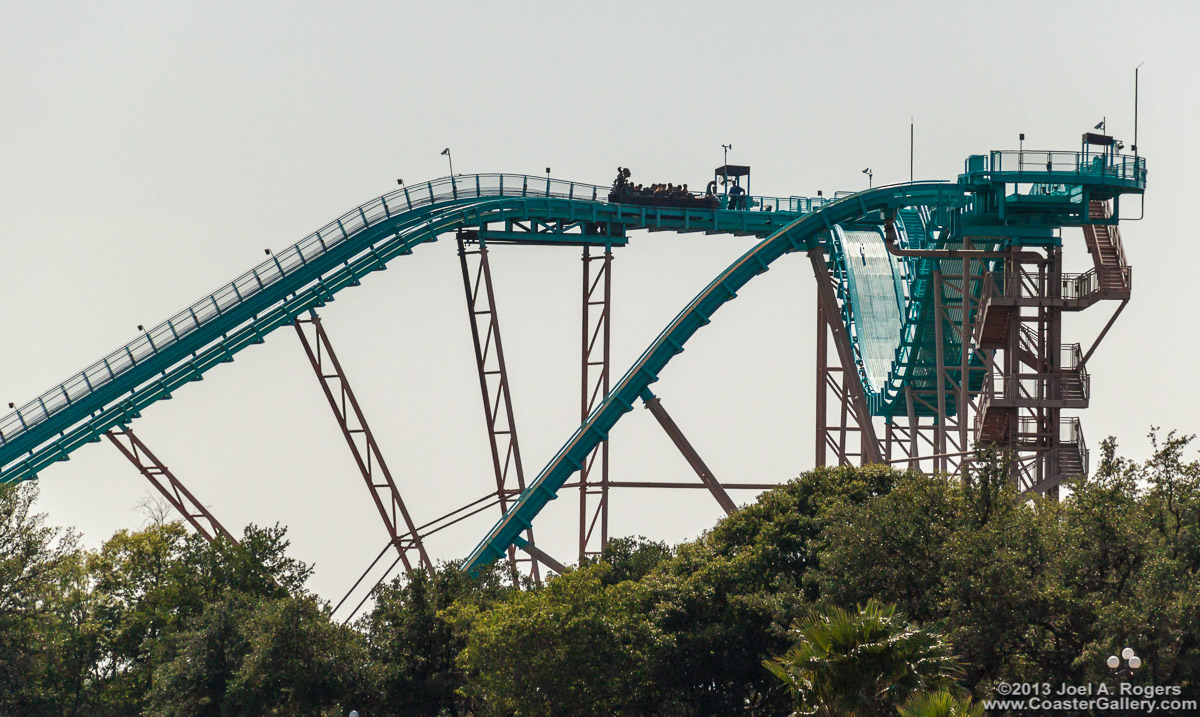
<point x="832" y="580"/>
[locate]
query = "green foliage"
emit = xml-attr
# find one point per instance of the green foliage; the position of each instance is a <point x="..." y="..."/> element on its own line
<point x="727" y="600"/>
<point x="160" y="622"/>
<point x="297" y="662"/>
<point x="863" y="662"/>
<point x="942" y="703"/>
<point x="415" y="633"/>
<point x="143" y="590"/>
<point x="250" y="639"/>
<point x="1032" y="589"/>
<point x="42" y="659"/>
<point x="1134" y="551"/>
<point x="205" y="658"/>
<point x="577" y="642"/>
<point x="632" y="558"/>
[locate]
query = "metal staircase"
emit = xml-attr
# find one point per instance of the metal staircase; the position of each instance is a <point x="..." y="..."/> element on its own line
<point x="1108" y="254"/>
<point x="1023" y="397"/>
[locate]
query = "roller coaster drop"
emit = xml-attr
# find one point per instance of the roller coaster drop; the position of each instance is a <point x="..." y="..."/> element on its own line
<point x="943" y="303"/>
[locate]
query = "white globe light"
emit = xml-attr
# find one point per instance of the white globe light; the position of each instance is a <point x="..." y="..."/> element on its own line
<point x="1127" y="653"/>
<point x="1135" y="662"/>
<point x="1113" y="662"/>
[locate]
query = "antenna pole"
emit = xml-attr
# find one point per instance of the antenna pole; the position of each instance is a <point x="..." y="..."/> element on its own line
<point x="1135" y="107"/>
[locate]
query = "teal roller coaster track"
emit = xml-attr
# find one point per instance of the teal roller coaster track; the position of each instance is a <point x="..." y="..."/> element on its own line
<point x="885" y="254"/>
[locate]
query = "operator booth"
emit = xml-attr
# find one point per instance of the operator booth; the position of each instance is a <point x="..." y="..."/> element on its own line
<point x="731" y="184"/>
<point x="1099" y="152"/>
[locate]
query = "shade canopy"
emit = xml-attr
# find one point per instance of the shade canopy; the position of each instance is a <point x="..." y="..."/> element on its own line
<point x="732" y="170"/>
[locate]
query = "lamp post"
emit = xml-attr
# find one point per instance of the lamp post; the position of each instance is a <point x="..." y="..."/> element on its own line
<point x="912" y="130"/>
<point x="446" y="152"/>
<point x="870" y="177"/>
<point x="725" y="167"/>
<point x="1132" y="661"/>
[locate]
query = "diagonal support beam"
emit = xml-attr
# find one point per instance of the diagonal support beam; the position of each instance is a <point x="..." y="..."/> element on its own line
<point x="493" y="382"/>
<point x="540" y="555"/>
<point x="689" y="453"/>
<point x="1103" y="332"/>
<point x="374" y="469"/>
<point x="168" y="485"/>
<point x="856" y="400"/>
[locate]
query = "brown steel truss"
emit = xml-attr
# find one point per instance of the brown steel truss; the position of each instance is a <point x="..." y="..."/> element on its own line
<point x="594" y="387"/>
<point x="1012" y="376"/>
<point x="168" y="485"/>
<point x="493" y="384"/>
<point x="942" y="442"/>
<point x="1033" y="376"/>
<point x="402" y="532"/>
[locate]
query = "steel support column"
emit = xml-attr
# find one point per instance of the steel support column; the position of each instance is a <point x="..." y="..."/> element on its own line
<point x="822" y="384"/>
<point x="939" y="320"/>
<point x="493" y="383"/>
<point x="594" y="387"/>
<point x="168" y="485"/>
<point x="367" y="456"/>
<point x="831" y="384"/>
<point x="966" y="329"/>
<point x="914" y="432"/>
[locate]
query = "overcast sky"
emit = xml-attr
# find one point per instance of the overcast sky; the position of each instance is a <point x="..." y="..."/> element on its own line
<point x="150" y="151"/>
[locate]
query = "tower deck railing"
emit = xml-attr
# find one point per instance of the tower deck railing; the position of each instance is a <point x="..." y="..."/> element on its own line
<point x="1102" y="165"/>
